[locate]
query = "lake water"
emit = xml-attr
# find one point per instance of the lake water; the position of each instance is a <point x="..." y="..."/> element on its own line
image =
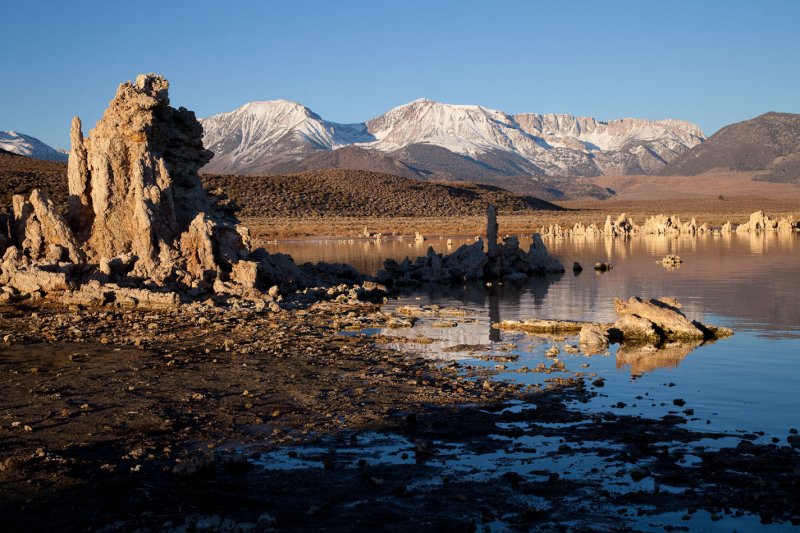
<point x="750" y="283"/>
<point x="746" y="386"/>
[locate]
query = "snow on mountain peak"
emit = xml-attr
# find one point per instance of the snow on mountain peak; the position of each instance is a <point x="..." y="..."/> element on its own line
<point x="259" y="135"/>
<point x="465" y="129"/>
<point x="22" y="144"/>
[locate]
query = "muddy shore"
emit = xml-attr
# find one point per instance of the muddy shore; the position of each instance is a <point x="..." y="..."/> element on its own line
<point x="208" y="418"/>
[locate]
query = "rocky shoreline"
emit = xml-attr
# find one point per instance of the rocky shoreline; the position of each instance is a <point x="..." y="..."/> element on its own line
<point x="175" y="419"/>
<point x="159" y="373"/>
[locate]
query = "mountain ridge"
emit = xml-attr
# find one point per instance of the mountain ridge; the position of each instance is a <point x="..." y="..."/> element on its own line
<point x="26" y="145"/>
<point x="260" y="136"/>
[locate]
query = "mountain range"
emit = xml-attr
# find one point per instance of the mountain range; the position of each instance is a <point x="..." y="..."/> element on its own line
<point x="21" y="144"/>
<point x="548" y="156"/>
<point x="432" y="140"/>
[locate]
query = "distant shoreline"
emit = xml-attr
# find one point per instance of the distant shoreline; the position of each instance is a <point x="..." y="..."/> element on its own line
<point x="711" y="211"/>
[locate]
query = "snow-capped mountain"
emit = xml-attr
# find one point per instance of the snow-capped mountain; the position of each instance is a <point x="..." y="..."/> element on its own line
<point x="259" y="135"/>
<point x="445" y="140"/>
<point x="19" y="143"/>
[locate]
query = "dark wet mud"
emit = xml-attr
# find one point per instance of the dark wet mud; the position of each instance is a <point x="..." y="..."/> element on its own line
<point x="239" y="420"/>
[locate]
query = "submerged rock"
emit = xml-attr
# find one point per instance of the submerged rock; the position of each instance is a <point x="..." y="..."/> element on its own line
<point x="541" y="326"/>
<point x="642" y="327"/>
<point x="671" y="261"/>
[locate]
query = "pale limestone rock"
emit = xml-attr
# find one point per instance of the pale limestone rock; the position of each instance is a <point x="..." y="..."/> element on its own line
<point x="786" y="224"/>
<point x="758" y="221"/>
<point x="37" y="226"/>
<point x="593" y="337"/>
<point x="96" y="294"/>
<point x="608" y="227"/>
<point x="136" y="207"/>
<point x="469" y="262"/>
<point x="197" y="248"/>
<point x="539" y="260"/>
<point x="117" y="267"/>
<point x="79" y="200"/>
<point x="541" y="326"/>
<point x="245" y="273"/>
<point x="34" y="280"/>
<point x="666" y="318"/>
<point x="140" y="170"/>
<point x="636" y="328"/>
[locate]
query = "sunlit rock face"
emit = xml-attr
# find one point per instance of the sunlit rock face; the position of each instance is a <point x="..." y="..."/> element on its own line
<point x="133" y="183"/>
<point x="138" y="221"/>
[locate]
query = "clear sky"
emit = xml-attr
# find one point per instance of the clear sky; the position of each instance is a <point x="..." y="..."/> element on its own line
<point x="709" y="62"/>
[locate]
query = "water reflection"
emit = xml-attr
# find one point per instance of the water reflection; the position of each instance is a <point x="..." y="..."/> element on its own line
<point x="748" y="279"/>
<point x="645" y="358"/>
<point x="747" y="282"/>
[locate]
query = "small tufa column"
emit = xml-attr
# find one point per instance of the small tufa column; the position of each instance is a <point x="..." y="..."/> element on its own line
<point x="80" y="211"/>
<point x="491" y="230"/>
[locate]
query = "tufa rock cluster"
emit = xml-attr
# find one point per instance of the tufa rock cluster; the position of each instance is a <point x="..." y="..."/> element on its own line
<point x="470" y="262"/>
<point x="624" y="226"/>
<point x="139" y="223"/>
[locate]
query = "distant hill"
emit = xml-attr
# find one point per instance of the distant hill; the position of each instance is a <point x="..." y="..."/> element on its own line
<point x="769" y="143"/>
<point x="433" y="163"/>
<point x="360" y="193"/>
<point x="20" y="175"/>
<point x="353" y="158"/>
<point x="329" y="192"/>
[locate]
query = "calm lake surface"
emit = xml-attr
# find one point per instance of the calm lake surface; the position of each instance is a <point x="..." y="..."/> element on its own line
<point x="750" y="283"/>
<point x="746" y="387"/>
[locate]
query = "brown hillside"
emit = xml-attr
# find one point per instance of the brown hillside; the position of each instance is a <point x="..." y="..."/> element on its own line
<point x="770" y="143"/>
<point x="330" y="192"/>
<point x="20" y="175"/>
<point x="352" y="158"/>
<point x="356" y="193"/>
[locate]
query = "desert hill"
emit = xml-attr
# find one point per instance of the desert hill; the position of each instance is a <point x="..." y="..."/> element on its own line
<point x="20" y="175"/>
<point x="358" y="193"/>
<point x="331" y="192"/>
<point x="768" y="143"/>
<point x="433" y="163"/>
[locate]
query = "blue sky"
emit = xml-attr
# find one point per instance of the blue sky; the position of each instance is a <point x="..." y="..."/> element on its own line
<point x="712" y="63"/>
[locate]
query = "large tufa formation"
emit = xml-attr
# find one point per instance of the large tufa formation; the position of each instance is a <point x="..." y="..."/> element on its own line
<point x="137" y="216"/>
<point x="133" y="184"/>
